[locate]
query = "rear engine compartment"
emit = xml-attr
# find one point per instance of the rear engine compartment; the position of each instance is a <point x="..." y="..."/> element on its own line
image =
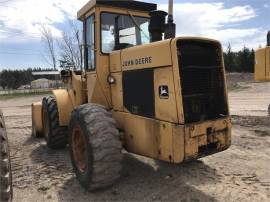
<point x="202" y="80"/>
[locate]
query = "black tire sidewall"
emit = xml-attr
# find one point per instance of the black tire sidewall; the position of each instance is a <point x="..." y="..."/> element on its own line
<point x="45" y="109"/>
<point x="3" y="134"/>
<point x="57" y="135"/>
<point x="83" y="177"/>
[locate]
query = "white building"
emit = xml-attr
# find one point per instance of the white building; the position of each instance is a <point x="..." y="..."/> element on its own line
<point x="40" y="83"/>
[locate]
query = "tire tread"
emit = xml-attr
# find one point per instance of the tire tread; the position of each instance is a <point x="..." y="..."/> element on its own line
<point x="104" y="139"/>
<point x="6" y="192"/>
<point x="58" y="134"/>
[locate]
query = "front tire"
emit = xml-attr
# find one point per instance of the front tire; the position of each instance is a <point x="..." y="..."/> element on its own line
<point x="95" y="147"/>
<point x="5" y="172"/>
<point x="55" y="135"/>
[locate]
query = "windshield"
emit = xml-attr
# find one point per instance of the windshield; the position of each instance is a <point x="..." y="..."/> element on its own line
<point x="122" y="31"/>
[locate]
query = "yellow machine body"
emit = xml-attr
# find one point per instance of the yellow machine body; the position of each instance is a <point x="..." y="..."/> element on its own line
<point x="164" y="132"/>
<point x="37" y="118"/>
<point x="166" y="136"/>
<point x="262" y="64"/>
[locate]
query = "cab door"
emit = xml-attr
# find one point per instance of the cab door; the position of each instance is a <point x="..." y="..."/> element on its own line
<point x="98" y="89"/>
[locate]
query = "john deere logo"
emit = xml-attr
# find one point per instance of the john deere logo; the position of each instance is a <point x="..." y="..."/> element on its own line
<point x="163" y="92"/>
<point x="138" y="61"/>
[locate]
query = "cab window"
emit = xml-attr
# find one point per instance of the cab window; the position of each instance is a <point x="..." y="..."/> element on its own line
<point x="90" y="63"/>
<point x="122" y="31"/>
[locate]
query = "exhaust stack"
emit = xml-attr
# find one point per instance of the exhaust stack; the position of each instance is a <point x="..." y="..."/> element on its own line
<point x="158" y="26"/>
<point x="268" y="39"/>
<point x="170" y="26"/>
<point x="170" y="13"/>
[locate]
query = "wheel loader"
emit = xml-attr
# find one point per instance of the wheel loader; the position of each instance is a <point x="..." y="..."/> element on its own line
<point x="141" y="89"/>
<point x="5" y="168"/>
<point x="262" y="64"/>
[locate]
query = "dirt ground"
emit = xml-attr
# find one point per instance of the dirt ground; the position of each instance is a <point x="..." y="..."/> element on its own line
<point x="242" y="173"/>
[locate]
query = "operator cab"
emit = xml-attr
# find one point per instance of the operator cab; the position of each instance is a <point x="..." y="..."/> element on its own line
<point x="113" y="25"/>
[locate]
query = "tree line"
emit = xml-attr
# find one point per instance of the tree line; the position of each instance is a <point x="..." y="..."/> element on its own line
<point x="241" y="61"/>
<point x="13" y="79"/>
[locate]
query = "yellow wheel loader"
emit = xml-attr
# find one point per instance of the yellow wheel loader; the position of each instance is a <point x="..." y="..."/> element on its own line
<point x="141" y="89"/>
<point x="5" y="167"/>
<point x="262" y="64"/>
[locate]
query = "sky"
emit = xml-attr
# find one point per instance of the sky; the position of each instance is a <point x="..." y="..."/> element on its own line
<point x="238" y="22"/>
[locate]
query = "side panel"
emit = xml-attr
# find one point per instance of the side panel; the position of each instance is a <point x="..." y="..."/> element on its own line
<point x="260" y="64"/>
<point x="152" y="138"/>
<point x="171" y="142"/>
<point x="96" y="91"/>
<point x="165" y="104"/>
<point x="178" y="145"/>
<point x="77" y="90"/>
<point x="151" y="55"/>
<point x="65" y="105"/>
<point x="143" y="79"/>
<point x="267" y="63"/>
<point x="115" y="61"/>
<point x="37" y="117"/>
<point x="117" y="92"/>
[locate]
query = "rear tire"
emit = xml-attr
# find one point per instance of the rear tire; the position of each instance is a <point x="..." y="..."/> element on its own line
<point x="55" y="135"/>
<point x="95" y="147"/>
<point x="5" y="172"/>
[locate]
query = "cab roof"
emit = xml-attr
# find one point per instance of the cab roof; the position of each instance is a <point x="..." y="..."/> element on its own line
<point x="128" y="4"/>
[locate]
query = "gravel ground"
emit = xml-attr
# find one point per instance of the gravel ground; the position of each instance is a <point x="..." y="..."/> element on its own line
<point x="241" y="173"/>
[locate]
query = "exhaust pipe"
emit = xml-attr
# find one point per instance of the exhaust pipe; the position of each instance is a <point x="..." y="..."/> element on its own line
<point x="158" y="25"/>
<point x="170" y="13"/>
<point x="170" y="26"/>
<point x="268" y="39"/>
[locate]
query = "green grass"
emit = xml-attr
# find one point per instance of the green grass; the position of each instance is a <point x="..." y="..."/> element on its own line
<point x="18" y="95"/>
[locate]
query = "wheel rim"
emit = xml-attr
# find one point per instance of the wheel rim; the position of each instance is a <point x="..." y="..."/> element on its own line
<point x="79" y="148"/>
<point x="46" y="124"/>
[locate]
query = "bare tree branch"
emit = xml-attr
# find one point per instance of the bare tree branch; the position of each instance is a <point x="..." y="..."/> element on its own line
<point x="70" y="47"/>
<point x="49" y="41"/>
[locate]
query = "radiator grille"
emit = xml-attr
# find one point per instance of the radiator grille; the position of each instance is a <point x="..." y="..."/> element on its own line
<point x="202" y="81"/>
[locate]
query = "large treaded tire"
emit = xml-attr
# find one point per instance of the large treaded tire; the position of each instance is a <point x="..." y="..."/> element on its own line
<point x="5" y="172"/>
<point x="102" y="153"/>
<point x="56" y="136"/>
